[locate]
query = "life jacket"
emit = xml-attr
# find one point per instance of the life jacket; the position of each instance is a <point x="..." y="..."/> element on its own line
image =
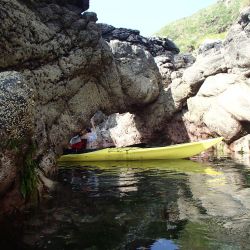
<point x="78" y="143"/>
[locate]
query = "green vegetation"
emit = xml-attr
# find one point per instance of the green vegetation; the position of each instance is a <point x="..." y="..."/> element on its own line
<point x="12" y="144"/>
<point x="245" y="3"/>
<point x="24" y="151"/>
<point x="29" y="176"/>
<point x="211" y="22"/>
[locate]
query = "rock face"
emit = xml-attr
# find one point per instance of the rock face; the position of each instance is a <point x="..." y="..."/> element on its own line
<point x="203" y="96"/>
<point x="71" y="71"/>
<point x="16" y="101"/>
<point x="163" y="50"/>
<point x="16" y="127"/>
<point x="134" y="61"/>
<point x="221" y="73"/>
<point x="58" y="67"/>
<point x="155" y="45"/>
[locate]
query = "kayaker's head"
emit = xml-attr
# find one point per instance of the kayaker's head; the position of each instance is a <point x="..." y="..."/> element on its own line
<point x="76" y="132"/>
<point x="79" y="132"/>
<point x="88" y="130"/>
<point x="82" y="132"/>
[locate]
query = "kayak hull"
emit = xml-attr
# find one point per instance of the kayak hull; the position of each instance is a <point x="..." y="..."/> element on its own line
<point x="178" y="151"/>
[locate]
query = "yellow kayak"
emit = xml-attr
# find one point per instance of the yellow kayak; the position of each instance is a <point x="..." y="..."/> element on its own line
<point x="178" y="151"/>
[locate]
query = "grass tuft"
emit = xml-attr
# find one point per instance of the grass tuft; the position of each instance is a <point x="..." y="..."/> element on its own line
<point x="29" y="176"/>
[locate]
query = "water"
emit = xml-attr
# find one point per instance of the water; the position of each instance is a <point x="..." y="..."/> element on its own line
<point x="147" y="205"/>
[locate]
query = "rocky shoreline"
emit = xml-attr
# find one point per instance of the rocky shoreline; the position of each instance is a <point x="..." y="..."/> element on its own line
<point x="59" y="68"/>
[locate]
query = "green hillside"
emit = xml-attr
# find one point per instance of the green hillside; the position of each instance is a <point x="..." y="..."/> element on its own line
<point x="211" y="22"/>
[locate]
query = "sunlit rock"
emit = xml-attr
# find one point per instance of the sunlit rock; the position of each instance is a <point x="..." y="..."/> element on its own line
<point x="241" y="145"/>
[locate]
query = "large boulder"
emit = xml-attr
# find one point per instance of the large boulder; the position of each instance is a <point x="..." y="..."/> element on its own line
<point x="235" y="100"/>
<point x="222" y="122"/>
<point x="119" y="130"/>
<point x="216" y="86"/>
<point x="210" y="64"/>
<point x="140" y="77"/>
<point x="237" y="43"/>
<point x="212" y="103"/>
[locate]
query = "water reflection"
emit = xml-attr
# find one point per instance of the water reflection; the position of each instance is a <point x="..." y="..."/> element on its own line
<point x="127" y="181"/>
<point x="164" y="244"/>
<point x="144" y="205"/>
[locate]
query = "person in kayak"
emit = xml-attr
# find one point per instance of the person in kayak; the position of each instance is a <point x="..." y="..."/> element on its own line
<point x="91" y="136"/>
<point x="77" y="142"/>
<point x="83" y="141"/>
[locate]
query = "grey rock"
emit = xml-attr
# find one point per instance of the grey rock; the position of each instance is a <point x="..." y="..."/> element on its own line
<point x="217" y="84"/>
<point x="90" y="16"/>
<point x="16" y="101"/>
<point x="237" y="48"/>
<point x="223" y="123"/>
<point x="155" y="45"/>
<point x="235" y="100"/>
<point x="134" y="61"/>
<point x="209" y="45"/>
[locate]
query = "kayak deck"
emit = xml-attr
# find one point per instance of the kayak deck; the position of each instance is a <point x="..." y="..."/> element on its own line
<point x="178" y="151"/>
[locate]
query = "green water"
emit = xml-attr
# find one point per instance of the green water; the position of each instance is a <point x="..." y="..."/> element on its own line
<point x="155" y="205"/>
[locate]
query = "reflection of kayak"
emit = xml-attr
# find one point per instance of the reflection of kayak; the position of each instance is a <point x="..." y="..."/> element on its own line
<point x="178" y="151"/>
<point x="179" y="165"/>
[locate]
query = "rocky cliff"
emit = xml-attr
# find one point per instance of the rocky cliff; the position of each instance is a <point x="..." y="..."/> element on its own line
<point x="56" y="72"/>
<point x="58" y="68"/>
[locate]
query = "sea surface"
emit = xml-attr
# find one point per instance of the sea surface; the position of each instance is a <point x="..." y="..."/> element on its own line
<point x="184" y="204"/>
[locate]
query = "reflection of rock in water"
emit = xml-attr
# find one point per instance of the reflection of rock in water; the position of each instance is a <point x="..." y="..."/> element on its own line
<point x="223" y="197"/>
<point x="127" y="181"/>
<point x="84" y="180"/>
<point x="132" y="208"/>
<point x="242" y="158"/>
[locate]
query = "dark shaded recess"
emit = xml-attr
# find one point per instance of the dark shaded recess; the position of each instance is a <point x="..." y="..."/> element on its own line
<point x="246" y="126"/>
<point x="11" y="228"/>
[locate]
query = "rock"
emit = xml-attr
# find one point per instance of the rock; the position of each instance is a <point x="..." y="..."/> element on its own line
<point x="197" y="107"/>
<point x="223" y="123"/>
<point x="155" y="45"/>
<point x="82" y="4"/>
<point x="203" y="67"/>
<point x="90" y="16"/>
<point x="235" y="100"/>
<point x="171" y="66"/>
<point x="217" y="84"/>
<point x="210" y="44"/>
<point x="46" y="183"/>
<point x="180" y="92"/>
<point x="237" y="46"/>
<point x="220" y="105"/>
<point x="16" y="101"/>
<point x="99" y="117"/>
<point x="183" y="60"/>
<point x="241" y="145"/>
<point x="144" y="88"/>
<point x="119" y="130"/>
<point x="8" y="171"/>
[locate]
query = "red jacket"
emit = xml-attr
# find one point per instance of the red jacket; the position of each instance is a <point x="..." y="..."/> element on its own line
<point x="79" y="145"/>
